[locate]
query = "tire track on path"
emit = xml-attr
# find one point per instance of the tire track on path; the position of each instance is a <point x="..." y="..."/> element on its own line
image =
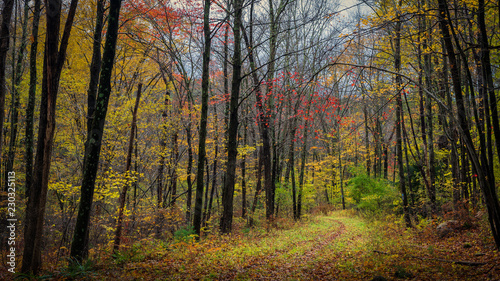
<point x="281" y="265"/>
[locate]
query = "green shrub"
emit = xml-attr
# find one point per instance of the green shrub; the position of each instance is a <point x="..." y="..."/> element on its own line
<point x="372" y="195"/>
<point x="185" y="234"/>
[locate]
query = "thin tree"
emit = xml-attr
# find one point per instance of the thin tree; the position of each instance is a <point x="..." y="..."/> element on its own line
<point x="128" y="163"/>
<point x="399" y="116"/>
<point x="15" y="102"/>
<point x="30" y="108"/>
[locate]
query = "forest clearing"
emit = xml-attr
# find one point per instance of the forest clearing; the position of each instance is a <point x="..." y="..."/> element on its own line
<point x="249" y="139"/>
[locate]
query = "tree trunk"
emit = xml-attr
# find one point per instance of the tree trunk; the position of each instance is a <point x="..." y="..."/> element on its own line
<point x="95" y="64"/>
<point x="175" y="160"/>
<point x="291" y="163"/>
<point x="427" y="128"/>
<point x="15" y="103"/>
<point x="198" y="205"/>
<point x="263" y="119"/>
<point x="243" y="179"/>
<point x="54" y="57"/>
<point x="484" y="177"/>
<point x="487" y="73"/>
<point x="79" y="247"/>
<point x="232" y="143"/>
<point x="258" y="187"/>
<point x="449" y="128"/>
<point x="399" y="118"/>
<point x="189" y="171"/>
<point x="128" y="162"/>
<point x="341" y="173"/>
<point x="214" y="181"/>
<point x="367" y="139"/>
<point x="8" y="6"/>
<point x="302" y="171"/>
<point x="30" y="108"/>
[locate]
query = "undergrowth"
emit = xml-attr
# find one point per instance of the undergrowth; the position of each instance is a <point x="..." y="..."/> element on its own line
<point x="340" y="245"/>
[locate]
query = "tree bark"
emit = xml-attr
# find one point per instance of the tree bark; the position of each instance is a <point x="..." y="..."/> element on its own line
<point x="95" y="64"/>
<point x="54" y="57"/>
<point x="198" y="205"/>
<point x="232" y="142"/>
<point x="487" y="73"/>
<point x="481" y="168"/>
<point x="30" y="108"/>
<point x="8" y="6"/>
<point x="79" y="247"/>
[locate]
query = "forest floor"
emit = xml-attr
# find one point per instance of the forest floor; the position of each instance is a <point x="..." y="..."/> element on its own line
<point x="337" y="246"/>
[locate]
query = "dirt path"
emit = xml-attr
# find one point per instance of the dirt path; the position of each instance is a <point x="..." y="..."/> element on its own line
<point x="298" y="260"/>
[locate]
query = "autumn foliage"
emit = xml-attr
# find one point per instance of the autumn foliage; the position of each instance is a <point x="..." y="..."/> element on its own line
<point x="336" y="137"/>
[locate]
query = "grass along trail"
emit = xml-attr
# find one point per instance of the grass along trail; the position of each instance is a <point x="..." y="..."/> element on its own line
<point x="339" y="246"/>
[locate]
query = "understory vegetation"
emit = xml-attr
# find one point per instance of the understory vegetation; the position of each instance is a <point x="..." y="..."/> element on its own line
<point x="338" y="245"/>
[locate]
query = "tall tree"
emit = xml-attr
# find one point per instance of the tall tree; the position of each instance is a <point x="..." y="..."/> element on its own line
<point x="487" y="72"/>
<point x="79" y="245"/>
<point x="8" y="6"/>
<point x="54" y="57"/>
<point x="399" y="114"/>
<point x="95" y="64"/>
<point x="30" y="108"/>
<point x="484" y="176"/>
<point x="15" y="102"/>
<point x="226" y="220"/>
<point x="198" y="204"/>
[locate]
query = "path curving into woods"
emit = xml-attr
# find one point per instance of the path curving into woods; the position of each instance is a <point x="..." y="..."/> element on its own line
<point x="340" y="246"/>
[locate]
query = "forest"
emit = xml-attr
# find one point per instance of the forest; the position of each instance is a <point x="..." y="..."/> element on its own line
<point x="249" y="139"/>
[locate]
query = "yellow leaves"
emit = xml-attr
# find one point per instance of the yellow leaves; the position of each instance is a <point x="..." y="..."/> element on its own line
<point x="245" y="150"/>
<point x="65" y="192"/>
